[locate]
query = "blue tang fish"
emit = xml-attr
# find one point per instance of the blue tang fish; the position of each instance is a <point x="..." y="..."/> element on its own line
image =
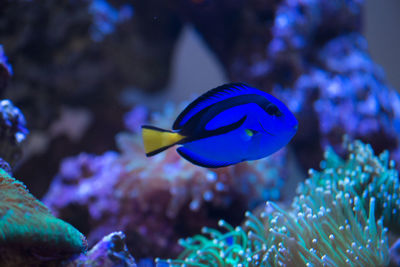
<point x="227" y="125"/>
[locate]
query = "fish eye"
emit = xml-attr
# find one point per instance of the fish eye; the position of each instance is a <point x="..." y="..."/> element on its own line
<point x="273" y="110"/>
<point x="251" y="132"/>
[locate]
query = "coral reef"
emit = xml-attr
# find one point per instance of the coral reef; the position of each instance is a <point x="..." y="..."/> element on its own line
<point x="29" y="234"/>
<point x="309" y="53"/>
<point x="71" y="60"/>
<point x="337" y="219"/>
<point x="157" y="200"/>
<point x="110" y="251"/>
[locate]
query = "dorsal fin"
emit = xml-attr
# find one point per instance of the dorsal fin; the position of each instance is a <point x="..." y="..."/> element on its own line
<point x="213" y="96"/>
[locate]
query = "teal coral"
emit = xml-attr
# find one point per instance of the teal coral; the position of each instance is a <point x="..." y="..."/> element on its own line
<point x="28" y="228"/>
<point x="337" y="219"/>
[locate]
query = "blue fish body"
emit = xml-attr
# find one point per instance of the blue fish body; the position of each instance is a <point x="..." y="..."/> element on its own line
<point x="230" y="124"/>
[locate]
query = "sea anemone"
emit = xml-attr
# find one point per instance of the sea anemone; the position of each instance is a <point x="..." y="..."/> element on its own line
<point x="329" y="224"/>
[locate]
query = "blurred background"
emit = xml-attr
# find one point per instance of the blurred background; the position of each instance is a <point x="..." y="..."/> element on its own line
<point x="382" y="24"/>
<point x="193" y="65"/>
<point x="86" y="74"/>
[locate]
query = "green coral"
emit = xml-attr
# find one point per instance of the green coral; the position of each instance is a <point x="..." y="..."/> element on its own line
<point x="29" y="232"/>
<point x="333" y="220"/>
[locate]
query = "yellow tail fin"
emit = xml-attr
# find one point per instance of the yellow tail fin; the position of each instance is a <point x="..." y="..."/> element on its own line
<point x="156" y="140"/>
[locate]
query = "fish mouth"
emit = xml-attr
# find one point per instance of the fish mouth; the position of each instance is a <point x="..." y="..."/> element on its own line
<point x="265" y="129"/>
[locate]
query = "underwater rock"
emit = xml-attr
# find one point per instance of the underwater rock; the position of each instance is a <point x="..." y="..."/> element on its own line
<point x="81" y="54"/>
<point x="110" y="251"/>
<point x="337" y="219"/>
<point x="5" y="166"/>
<point x="29" y="234"/>
<point x="157" y="200"/>
<point x="13" y="132"/>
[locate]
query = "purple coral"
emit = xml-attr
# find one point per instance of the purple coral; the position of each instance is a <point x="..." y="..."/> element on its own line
<point x="157" y="200"/>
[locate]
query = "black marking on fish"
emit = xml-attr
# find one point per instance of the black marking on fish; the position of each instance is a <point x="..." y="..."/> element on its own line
<point x="191" y="158"/>
<point x="155" y="128"/>
<point x="226" y="90"/>
<point x="194" y="128"/>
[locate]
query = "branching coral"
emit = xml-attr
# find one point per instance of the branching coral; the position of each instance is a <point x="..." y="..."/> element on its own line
<point x="29" y="234"/>
<point x="157" y="200"/>
<point x="334" y="221"/>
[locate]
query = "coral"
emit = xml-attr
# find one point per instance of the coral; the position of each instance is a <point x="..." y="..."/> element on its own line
<point x="29" y="233"/>
<point x="344" y="92"/>
<point x="337" y="219"/>
<point x="157" y="200"/>
<point x="110" y="251"/>
<point x="13" y="131"/>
